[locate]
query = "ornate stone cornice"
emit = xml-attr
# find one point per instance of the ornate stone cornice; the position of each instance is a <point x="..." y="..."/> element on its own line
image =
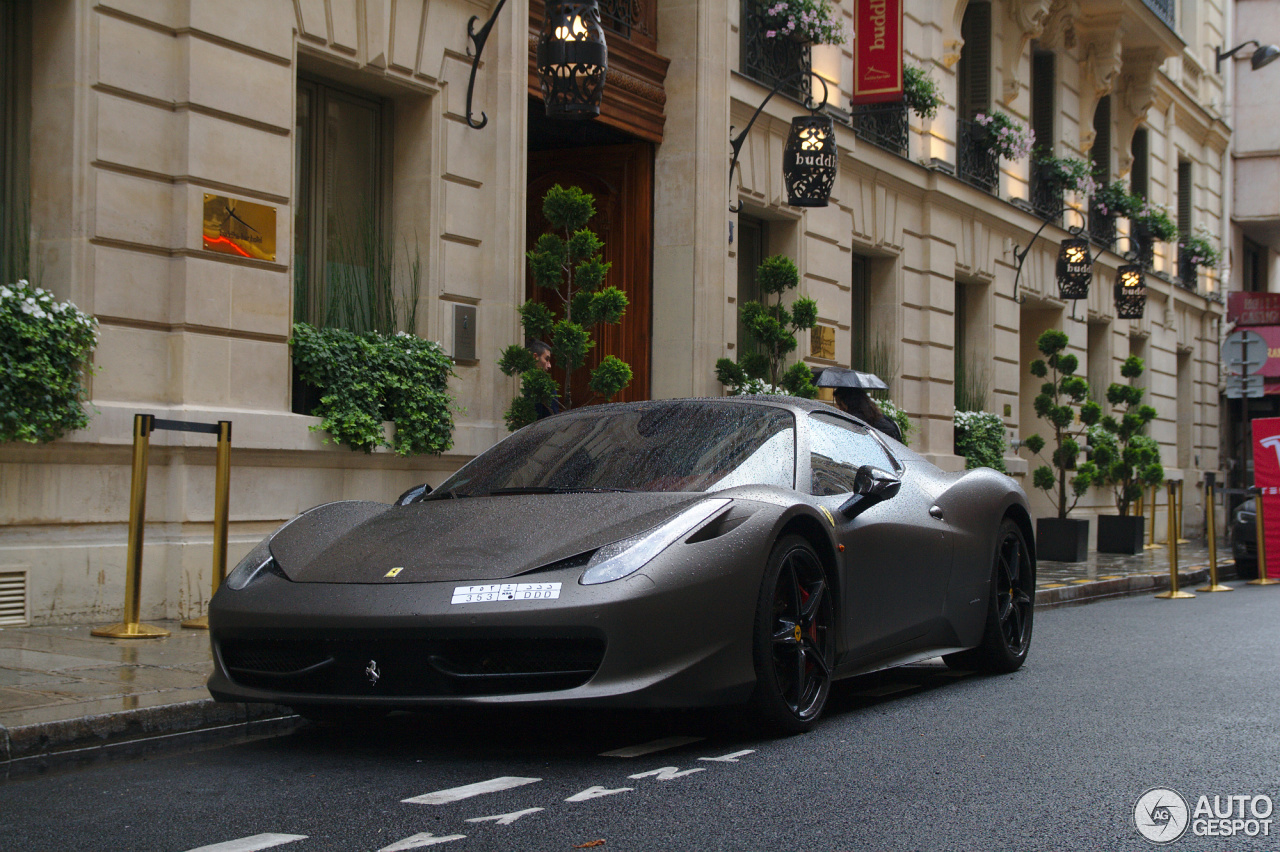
<point x="1136" y="94"/>
<point x="1060" y="24"/>
<point x="1099" y="70"/>
<point x="1030" y="17"/>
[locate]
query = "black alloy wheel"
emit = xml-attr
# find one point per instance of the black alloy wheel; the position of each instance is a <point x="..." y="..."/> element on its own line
<point x="1010" y="611"/>
<point x="794" y="638"/>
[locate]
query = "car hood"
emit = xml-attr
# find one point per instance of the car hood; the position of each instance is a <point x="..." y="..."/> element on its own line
<point x="465" y="540"/>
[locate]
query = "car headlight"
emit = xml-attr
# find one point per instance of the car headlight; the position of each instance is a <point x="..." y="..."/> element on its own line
<point x="617" y="560"/>
<point x="252" y="566"/>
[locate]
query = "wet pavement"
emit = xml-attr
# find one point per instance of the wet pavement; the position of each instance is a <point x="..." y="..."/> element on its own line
<point x="64" y="692"/>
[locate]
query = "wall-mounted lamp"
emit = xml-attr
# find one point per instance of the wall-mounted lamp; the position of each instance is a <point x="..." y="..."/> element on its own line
<point x="1264" y="55"/>
<point x="572" y="59"/>
<point x="1131" y="291"/>
<point x="808" y="159"/>
<point x="1075" y="268"/>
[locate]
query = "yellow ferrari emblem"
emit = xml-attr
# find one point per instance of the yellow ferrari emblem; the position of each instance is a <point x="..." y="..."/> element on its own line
<point x="798" y="635"/>
<point x="394" y="571"/>
<point x="828" y="514"/>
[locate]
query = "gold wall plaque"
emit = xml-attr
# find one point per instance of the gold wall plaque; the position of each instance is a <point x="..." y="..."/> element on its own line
<point x="242" y="228"/>
<point x="822" y="342"/>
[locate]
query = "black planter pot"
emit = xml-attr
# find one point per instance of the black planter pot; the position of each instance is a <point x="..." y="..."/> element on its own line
<point x="1062" y="539"/>
<point x="1120" y="533"/>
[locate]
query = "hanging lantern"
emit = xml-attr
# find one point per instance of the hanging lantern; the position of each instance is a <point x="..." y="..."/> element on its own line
<point x="1075" y="269"/>
<point x="572" y="60"/>
<point x="1131" y="292"/>
<point x="809" y="160"/>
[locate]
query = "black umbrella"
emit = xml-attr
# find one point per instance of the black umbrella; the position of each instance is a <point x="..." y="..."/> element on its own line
<point x="843" y="377"/>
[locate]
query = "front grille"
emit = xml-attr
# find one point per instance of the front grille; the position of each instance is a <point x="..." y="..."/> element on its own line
<point x="397" y="666"/>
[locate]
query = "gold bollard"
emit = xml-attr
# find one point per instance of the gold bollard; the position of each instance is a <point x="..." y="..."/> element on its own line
<point x="1151" y="527"/>
<point x="1137" y="507"/>
<point x="130" y="628"/>
<point x="221" y="505"/>
<point x="1263" y="579"/>
<point x="1211" y="534"/>
<point x="1173" y="592"/>
<point x="1181" y="487"/>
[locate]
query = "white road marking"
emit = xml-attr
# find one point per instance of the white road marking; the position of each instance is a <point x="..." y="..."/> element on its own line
<point x="454" y="794"/>
<point x="732" y="757"/>
<point x="651" y="747"/>
<point x="251" y="844"/>
<point x="666" y="773"/>
<point x="505" y="819"/>
<point x="418" y="841"/>
<point x="595" y="793"/>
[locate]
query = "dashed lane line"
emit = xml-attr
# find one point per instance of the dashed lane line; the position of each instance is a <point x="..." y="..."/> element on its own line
<point x="251" y="844"/>
<point x="651" y="746"/>
<point x="454" y="794"/>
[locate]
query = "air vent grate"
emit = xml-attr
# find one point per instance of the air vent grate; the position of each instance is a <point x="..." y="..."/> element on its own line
<point x="13" y="598"/>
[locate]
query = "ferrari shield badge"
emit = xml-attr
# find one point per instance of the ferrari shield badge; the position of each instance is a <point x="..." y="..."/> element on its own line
<point x="371" y="672"/>
<point x="828" y="514"/>
<point x="394" y="571"/>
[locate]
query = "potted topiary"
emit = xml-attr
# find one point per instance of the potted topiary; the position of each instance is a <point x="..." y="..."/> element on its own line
<point x="1127" y="460"/>
<point x="1060" y="538"/>
<point x="773" y="326"/>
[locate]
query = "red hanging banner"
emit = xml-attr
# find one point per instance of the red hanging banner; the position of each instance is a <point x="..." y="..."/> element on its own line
<point x="1266" y="475"/>
<point x="877" y="51"/>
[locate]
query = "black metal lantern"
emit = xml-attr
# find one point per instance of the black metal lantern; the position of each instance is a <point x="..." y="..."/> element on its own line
<point x="1075" y="269"/>
<point x="572" y="60"/>
<point x="1131" y="291"/>
<point x="809" y="160"/>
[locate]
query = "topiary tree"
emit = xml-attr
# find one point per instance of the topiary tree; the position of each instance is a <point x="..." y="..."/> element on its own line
<point x="1127" y="459"/>
<point x="773" y="325"/>
<point x="1054" y="404"/>
<point x="567" y="262"/>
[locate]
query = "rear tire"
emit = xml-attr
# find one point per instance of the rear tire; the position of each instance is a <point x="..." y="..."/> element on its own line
<point x="1006" y="637"/>
<point x="794" y="639"/>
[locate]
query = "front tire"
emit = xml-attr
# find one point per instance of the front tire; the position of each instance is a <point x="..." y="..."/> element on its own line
<point x="794" y="638"/>
<point x="1006" y="637"/>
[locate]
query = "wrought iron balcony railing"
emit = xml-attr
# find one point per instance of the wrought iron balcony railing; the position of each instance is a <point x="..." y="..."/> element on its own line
<point x="1046" y="194"/>
<point x="976" y="163"/>
<point x="768" y="60"/>
<point x="1102" y="229"/>
<point x="883" y="125"/>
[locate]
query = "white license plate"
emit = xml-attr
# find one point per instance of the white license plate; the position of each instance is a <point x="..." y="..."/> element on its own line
<point x="504" y="592"/>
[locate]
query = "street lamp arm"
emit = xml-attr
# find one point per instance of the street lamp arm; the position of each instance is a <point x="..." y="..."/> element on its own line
<point x="1020" y="255"/>
<point x="736" y="142"/>
<point x="478" y="39"/>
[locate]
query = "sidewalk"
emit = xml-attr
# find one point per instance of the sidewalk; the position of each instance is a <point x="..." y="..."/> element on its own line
<point x="65" y="693"/>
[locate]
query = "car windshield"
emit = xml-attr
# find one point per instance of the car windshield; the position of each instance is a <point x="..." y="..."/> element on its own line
<point x="679" y="445"/>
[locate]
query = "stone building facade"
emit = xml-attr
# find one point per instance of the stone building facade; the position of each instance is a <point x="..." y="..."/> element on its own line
<point x="128" y="113"/>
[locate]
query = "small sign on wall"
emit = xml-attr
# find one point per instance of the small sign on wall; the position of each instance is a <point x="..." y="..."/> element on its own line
<point x="464" y="332"/>
<point x="822" y="342"/>
<point x="241" y="228"/>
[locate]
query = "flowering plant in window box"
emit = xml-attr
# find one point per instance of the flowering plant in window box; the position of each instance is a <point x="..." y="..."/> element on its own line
<point x="1008" y="138"/>
<point x="1154" y="220"/>
<point x="920" y="91"/>
<point x="1068" y="173"/>
<point x="1197" y="249"/>
<point x="45" y="346"/>
<point x="803" y="20"/>
<point x="1114" y="199"/>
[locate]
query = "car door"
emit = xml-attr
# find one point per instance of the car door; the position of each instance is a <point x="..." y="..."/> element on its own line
<point x="896" y="561"/>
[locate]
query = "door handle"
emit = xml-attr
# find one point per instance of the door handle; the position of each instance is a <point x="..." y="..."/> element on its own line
<point x="935" y="511"/>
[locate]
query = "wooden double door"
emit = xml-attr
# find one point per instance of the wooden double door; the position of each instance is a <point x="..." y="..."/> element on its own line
<point x="621" y="179"/>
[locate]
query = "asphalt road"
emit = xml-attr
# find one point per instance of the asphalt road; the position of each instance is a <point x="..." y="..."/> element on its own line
<point x="1117" y="698"/>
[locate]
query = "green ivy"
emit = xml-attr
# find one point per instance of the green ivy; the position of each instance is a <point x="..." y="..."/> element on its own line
<point x="367" y="378"/>
<point x="980" y="439"/>
<point x="44" y="350"/>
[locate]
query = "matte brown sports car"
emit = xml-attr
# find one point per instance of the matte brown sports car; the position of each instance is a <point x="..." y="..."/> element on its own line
<point x="673" y="553"/>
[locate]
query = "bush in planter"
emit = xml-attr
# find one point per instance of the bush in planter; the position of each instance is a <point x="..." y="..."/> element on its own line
<point x="773" y="326"/>
<point x="1054" y="404"/>
<point x="367" y="378"/>
<point x="920" y="91"/>
<point x="980" y="439"/>
<point x="44" y="349"/>
<point x="1127" y="460"/>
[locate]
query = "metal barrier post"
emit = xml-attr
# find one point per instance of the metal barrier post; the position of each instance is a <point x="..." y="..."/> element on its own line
<point x="1173" y="592"/>
<point x="1263" y="579"/>
<point x="130" y="628"/>
<point x="1209" y="528"/>
<point x="1181" y="505"/>
<point x="1137" y="507"/>
<point x="1151" y="528"/>
<point x="221" y="505"/>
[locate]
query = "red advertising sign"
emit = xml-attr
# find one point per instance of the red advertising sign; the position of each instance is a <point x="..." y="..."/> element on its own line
<point x="877" y="51"/>
<point x="1253" y="308"/>
<point x="1266" y="475"/>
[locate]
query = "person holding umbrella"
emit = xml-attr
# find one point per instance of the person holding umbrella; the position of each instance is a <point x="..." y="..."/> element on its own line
<point x="850" y="390"/>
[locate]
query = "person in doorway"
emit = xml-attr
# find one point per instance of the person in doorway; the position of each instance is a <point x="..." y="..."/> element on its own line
<point x="542" y="357"/>
<point x="859" y="403"/>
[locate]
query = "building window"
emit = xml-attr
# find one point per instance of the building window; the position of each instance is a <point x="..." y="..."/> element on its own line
<point x="1102" y="228"/>
<point x="771" y="60"/>
<point x="1186" y="269"/>
<point x="1046" y="197"/>
<point x="859" y="316"/>
<point x="753" y="237"/>
<point x="975" y="162"/>
<point x="1186" y="409"/>
<point x="1140" y="185"/>
<point x="340" y="253"/>
<point x="1253" y="270"/>
<point x="15" y="126"/>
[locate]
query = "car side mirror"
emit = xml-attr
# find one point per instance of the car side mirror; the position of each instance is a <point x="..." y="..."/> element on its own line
<point x="417" y="492"/>
<point x="871" y="485"/>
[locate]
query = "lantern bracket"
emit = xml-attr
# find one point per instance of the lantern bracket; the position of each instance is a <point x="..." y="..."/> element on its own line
<point x="478" y="39"/>
<point x="1020" y="254"/>
<point x="736" y="141"/>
